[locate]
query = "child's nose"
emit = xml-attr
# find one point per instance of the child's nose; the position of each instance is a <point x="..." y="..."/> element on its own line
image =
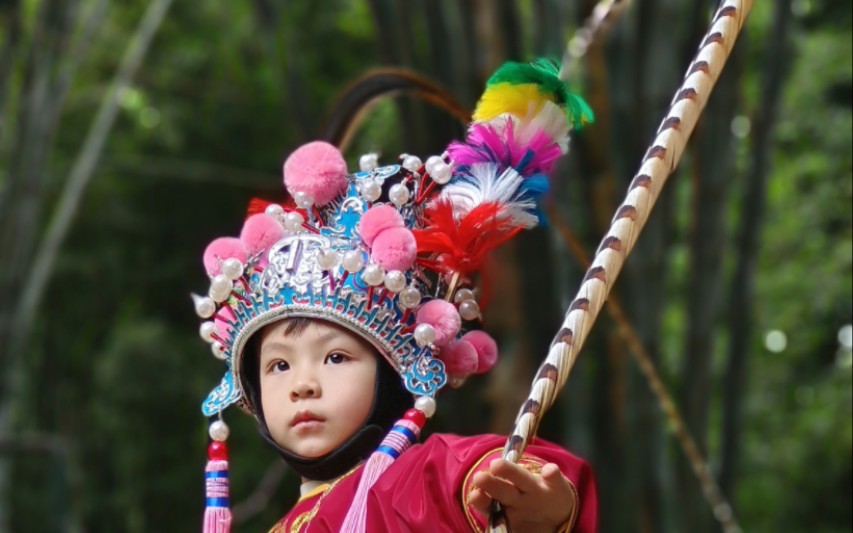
<point x="305" y="387"/>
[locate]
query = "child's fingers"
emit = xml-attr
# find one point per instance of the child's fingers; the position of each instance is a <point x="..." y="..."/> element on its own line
<point x="554" y="478"/>
<point x="499" y="489"/>
<point x="515" y="474"/>
<point x="479" y="500"/>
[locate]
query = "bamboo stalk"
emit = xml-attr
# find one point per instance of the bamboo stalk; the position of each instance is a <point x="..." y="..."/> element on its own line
<point x="659" y="162"/>
<point x="83" y="168"/>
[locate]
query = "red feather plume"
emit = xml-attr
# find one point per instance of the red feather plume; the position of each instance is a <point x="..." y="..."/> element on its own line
<point x="462" y="245"/>
<point x="259" y="205"/>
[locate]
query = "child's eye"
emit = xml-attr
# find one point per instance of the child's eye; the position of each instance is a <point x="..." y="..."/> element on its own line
<point x="336" y="358"/>
<point x="279" y="366"/>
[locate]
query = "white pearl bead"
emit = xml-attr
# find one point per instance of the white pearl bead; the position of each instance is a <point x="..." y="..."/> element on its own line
<point x="204" y="306"/>
<point x="399" y="194"/>
<point x="370" y="190"/>
<point x="220" y="288"/>
<point x="395" y="281"/>
<point x="353" y="261"/>
<point x="328" y="259"/>
<point x="219" y="431"/>
<point x="232" y="268"/>
<point x="368" y="162"/>
<point x="206" y="330"/>
<point x="412" y="163"/>
<point x="373" y="275"/>
<point x="303" y="199"/>
<point x="426" y="405"/>
<point x="441" y="173"/>
<point x="293" y="221"/>
<point x="410" y="298"/>
<point x="218" y="350"/>
<point x="424" y="334"/>
<point x="463" y="295"/>
<point x="431" y="162"/>
<point x="469" y="310"/>
<point x="274" y="210"/>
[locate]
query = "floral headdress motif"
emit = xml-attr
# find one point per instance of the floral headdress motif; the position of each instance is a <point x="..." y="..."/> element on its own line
<point x="389" y="252"/>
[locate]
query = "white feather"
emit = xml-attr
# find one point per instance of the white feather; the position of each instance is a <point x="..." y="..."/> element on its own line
<point x="550" y="118"/>
<point x="484" y="185"/>
<point x="547" y="117"/>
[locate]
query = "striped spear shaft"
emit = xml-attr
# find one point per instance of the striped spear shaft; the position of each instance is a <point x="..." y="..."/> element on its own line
<point x="658" y="163"/>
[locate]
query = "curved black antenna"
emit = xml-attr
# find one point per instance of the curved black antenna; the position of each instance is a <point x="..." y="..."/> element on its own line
<point x="357" y="99"/>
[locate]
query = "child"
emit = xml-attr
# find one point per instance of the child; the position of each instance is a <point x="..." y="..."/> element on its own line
<point x="342" y="312"/>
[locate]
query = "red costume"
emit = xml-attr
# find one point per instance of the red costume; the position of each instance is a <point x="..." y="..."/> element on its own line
<point x="424" y="490"/>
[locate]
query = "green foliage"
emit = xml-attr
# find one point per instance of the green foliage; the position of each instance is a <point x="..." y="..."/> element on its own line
<point x="799" y="408"/>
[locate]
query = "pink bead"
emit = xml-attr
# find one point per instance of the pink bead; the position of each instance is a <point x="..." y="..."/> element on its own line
<point x="460" y="358"/>
<point x="260" y="232"/>
<point x="221" y="249"/>
<point x="378" y="219"/>
<point x="395" y="249"/>
<point x="487" y="349"/>
<point x="317" y="169"/>
<point x="443" y="317"/>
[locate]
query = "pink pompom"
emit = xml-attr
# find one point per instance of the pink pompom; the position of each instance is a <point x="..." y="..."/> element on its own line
<point x="487" y="349"/>
<point x="460" y="358"/>
<point x="260" y="232"/>
<point x="318" y="169"/>
<point x="376" y="220"/>
<point x="395" y="249"/>
<point x="221" y="249"/>
<point x="443" y="317"/>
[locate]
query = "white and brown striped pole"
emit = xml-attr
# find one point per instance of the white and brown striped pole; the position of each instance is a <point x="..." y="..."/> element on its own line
<point x="660" y="160"/>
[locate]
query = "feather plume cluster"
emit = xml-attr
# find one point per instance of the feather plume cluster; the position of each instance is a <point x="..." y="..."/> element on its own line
<point x="521" y="127"/>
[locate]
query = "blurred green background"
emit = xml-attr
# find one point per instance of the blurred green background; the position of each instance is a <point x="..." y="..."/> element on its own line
<point x="133" y="133"/>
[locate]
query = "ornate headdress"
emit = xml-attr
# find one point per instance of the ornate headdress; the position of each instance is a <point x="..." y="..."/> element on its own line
<point x="388" y="252"/>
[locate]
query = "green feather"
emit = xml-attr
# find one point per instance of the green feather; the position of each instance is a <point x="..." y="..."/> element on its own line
<point x="579" y="111"/>
<point x="541" y="72"/>
<point x="546" y="74"/>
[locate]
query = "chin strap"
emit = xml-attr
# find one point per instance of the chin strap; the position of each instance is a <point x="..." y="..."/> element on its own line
<point x="335" y="463"/>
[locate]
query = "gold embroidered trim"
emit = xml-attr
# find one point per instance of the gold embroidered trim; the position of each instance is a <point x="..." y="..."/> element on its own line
<point x="306" y="517"/>
<point x="570" y="523"/>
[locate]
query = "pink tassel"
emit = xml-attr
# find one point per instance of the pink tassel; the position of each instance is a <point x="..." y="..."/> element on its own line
<point x="217" y="513"/>
<point x="404" y="433"/>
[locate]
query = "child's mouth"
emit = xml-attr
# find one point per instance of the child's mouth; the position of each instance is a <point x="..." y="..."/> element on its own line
<point x="307" y="420"/>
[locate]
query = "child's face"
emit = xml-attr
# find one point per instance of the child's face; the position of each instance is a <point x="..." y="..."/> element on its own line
<point x="317" y="386"/>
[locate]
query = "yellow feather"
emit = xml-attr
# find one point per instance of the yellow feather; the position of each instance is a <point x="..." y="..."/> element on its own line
<point x="517" y="99"/>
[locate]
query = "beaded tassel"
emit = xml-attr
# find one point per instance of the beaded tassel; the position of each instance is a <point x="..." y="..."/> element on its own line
<point x="217" y="513"/>
<point x="404" y="433"/>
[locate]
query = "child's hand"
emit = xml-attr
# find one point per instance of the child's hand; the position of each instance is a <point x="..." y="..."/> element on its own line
<point x="533" y="503"/>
